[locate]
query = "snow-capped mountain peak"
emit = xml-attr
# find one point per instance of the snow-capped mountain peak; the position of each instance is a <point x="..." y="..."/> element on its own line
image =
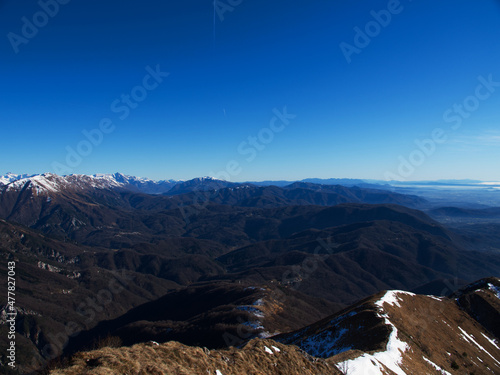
<point x="209" y="178"/>
<point x="52" y="183"/>
<point x="11" y="177"/>
<point x="49" y="182"/>
<point x="46" y="182"/>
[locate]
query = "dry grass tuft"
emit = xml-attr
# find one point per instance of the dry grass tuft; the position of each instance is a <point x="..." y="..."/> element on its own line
<point x="175" y="358"/>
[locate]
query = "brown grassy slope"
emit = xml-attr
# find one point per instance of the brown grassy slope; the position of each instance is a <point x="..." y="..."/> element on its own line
<point x="357" y="327"/>
<point x="433" y="329"/>
<point x="175" y="358"/>
<point x="213" y="315"/>
<point x="482" y="302"/>
<point x="437" y="329"/>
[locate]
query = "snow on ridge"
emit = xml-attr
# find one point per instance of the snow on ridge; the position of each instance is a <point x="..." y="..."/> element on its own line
<point x="325" y="343"/>
<point x="372" y="363"/>
<point x="441" y="371"/>
<point x="252" y="310"/>
<point x="11" y="177"/>
<point x="210" y="178"/>
<point x="51" y="183"/>
<point x="440" y="299"/>
<point x="494" y="289"/>
<point x="124" y="179"/>
<point x="492" y="342"/>
<point x="392" y="356"/>
<point x="471" y="340"/>
<point x="259" y="302"/>
<point x="362" y="365"/>
<point x="82" y="181"/>
<point x="40" y="183"/>
<point x="256" y="315"/>
<point x="47" y="182"/>
<point x="115" y="178"/>
<point x="391" y="297"/>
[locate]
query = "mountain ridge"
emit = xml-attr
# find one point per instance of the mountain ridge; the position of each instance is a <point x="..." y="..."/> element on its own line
<point x="319" y="247"/>
<point x="391" y="332"/>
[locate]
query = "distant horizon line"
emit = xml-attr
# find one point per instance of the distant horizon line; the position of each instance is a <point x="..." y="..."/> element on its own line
<point x="456" y="181"/>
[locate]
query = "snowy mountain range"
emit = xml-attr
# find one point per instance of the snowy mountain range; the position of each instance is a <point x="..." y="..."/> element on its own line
<point x="51" y="182"/>
<point x="149" y="186"/>
<point x="11" y="177"/>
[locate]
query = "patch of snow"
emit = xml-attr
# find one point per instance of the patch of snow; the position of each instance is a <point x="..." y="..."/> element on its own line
<point x="491" y="341"/>
<point x="441" y="371"/>
<point x="217" y="372"/>
<point x="494" y="289"/>
<point x="469" y="338"/>
<point x="254" y="325"/>
<point x="210" y="178"/>
<point x="324" y="341"/>
<point x="446" y="323"/>
<point x="47" y="182"/>
<point x="48" y="267"/>
<point x="256" y="313"/>
<point x="391" y="298"/>
<point x="259" y="302"/>
<point x="253" y="310"/>
<point x="440" y="299"/>
<point x="392" y="356"/>
<point x="268" y="350"/>
<point x="364" y="365"/>
<point x="11" y="177"/>
<point x="276" y="349"/>
<point x="41" y="184"/>
<point x="324" y="344"/>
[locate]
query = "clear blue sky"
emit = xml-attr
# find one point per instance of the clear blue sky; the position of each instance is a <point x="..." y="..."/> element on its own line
<point x="357" y="119"/>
